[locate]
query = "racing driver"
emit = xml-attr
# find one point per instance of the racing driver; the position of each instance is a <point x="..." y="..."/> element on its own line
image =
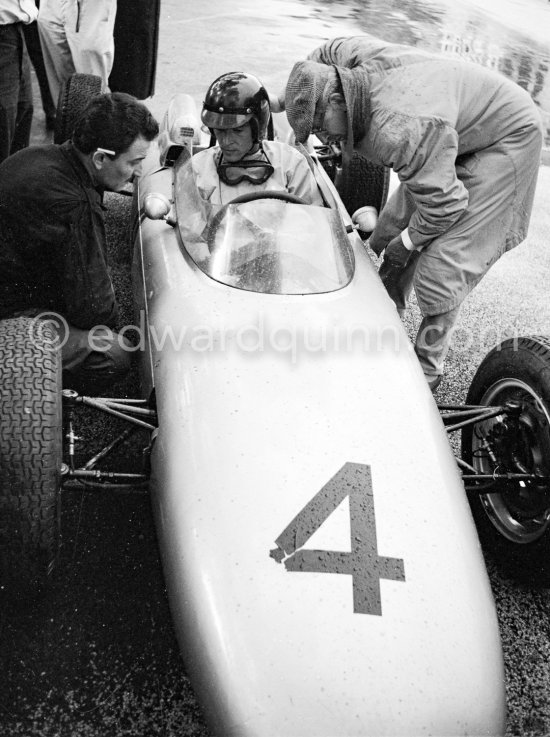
<point x="237" y="111"/>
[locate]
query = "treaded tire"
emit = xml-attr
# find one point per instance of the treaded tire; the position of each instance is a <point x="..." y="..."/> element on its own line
<point x="514" y="525"/>
<point x="30" y="453"/>
<point x="75" y="93"/>
<point x="364" y="183"/>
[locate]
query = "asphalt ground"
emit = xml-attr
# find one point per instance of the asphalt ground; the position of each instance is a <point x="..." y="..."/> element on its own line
<point x="97" y="655"/>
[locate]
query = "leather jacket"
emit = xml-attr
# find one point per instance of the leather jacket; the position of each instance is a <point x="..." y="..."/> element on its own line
<point x="52" y="238"/>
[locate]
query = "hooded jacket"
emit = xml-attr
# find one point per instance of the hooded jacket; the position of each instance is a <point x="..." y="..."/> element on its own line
<point x="465" y="143"/>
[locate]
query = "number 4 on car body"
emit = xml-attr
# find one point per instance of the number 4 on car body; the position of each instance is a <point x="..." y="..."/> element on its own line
<point x="363" y="563"/>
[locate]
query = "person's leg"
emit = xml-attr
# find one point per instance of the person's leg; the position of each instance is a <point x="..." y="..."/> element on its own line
<point x="23" y="123"/>
<point x="34" y="48"/>
<point x="94" y="360"/>
<point x="91" y="39"/>
<point x="501" y="182"/>
<point x="15" y="86"/>
<point x="9" y="87"/>
<point x="91" y="359"/>
<point x="393" y="219"/>
<point x="432" y="344"/>
<point x="53" y="17"/>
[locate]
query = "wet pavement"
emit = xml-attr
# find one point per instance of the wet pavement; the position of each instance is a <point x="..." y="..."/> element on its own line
<point x="509" y="36"/>
<point x="198" y="43"/>
<point x="97" y="657"/>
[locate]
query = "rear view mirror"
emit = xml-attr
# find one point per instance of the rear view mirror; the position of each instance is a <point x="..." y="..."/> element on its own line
<point x="157" y="206"/>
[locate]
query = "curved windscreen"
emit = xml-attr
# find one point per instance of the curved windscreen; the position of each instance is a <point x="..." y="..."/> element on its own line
<point x="266" y="245"/>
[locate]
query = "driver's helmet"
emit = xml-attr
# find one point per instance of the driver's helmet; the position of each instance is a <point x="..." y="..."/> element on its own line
<point x="234" y="99"/>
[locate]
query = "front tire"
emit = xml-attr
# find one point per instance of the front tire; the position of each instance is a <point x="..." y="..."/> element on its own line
<point x="514" y="521"/>
<point x="30" y="453"/>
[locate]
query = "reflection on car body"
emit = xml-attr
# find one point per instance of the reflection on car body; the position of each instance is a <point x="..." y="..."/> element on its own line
<point x="266" y="245"/>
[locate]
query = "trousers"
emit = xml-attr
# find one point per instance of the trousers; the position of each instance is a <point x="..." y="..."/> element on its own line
<point x="15" y="91"/>
<point x="32" y="39"/>
<point x="434" y="335"/>
<point x="77" y="36"/>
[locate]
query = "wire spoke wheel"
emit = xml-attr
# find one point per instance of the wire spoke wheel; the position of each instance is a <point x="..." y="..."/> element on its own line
<point x="522" y="511"/>
<point x="513" y="520"/>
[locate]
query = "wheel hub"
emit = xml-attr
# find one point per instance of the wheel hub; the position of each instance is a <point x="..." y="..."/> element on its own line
<point x="515" y="442"/>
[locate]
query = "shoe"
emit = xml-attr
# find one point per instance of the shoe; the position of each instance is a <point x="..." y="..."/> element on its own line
<point x="434" y="382"/>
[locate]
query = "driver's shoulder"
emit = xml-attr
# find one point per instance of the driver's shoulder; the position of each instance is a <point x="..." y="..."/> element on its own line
<point x="204" y="165"/>
<point x="281" y="151"/>
<point x="204" y="157"/>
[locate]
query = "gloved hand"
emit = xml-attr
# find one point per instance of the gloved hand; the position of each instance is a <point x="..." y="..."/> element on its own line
<point x="398" y="280"/>
<point x="376" y="247"/>
<point x="396" y="255"/>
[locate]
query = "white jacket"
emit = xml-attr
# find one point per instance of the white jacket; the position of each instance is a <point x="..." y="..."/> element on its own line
<point x="292" y="173"/>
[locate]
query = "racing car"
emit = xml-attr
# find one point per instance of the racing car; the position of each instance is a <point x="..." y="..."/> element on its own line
<point x="323" y="569"/>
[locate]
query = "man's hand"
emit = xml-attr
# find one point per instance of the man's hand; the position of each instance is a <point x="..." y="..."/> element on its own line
<point x="396" y="255"/>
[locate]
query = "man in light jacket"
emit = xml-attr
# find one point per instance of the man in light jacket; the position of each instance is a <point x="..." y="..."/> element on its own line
<point x="77" y="36"/>
<point x="465" y="143"/>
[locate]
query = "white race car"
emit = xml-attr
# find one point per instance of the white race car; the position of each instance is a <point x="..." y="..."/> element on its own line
<point x="322" y="565"/>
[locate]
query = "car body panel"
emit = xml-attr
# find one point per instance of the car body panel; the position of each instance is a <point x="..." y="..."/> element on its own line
<point x="274" y="440"/>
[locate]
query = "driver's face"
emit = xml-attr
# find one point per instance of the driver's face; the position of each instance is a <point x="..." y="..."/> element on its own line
<point x="235" y="143"/>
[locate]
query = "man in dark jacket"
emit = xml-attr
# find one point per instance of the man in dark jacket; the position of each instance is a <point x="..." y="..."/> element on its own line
<point x="52" y="234"/>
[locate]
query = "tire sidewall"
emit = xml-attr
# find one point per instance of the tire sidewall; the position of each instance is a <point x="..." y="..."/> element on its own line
<point x="75" y="93"/>
<point x="30" y="452"/>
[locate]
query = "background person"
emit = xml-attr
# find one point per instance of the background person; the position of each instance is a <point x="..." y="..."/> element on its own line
<point x="52" y="234"/>
<point x="32" y="39"/>
<point x="77" y="36"/>
<point x="236" y="110"/>
<point x="465" y="143"/>
<point x="15" y="76"/>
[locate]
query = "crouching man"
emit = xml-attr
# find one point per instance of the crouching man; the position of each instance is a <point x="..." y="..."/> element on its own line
<point x="52" y="235"/>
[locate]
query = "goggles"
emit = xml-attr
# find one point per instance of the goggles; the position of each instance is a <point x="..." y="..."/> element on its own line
<point x="254" y="171"/>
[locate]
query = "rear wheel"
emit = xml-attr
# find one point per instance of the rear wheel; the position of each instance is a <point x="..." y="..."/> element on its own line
<point x="364" y="183"/>
<point x="361" y="183"/>
<point x="514" y="520"/>
<point x="74" y="95"/>
<point x="30" y="452"/>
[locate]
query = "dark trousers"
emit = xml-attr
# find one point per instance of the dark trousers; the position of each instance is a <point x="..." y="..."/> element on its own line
<point x="34" y="48"/>
<point x="15" y="91"/>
